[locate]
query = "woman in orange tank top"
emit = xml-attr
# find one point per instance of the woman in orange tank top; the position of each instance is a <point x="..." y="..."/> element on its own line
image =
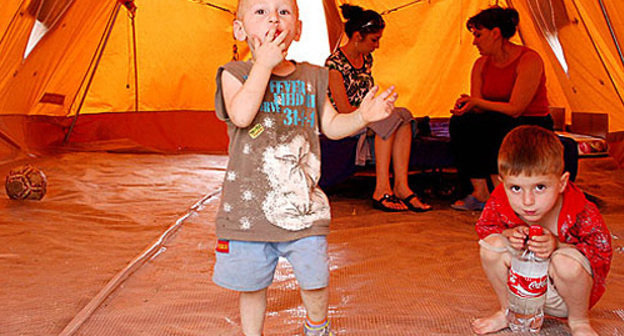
<point x="507" y="89"/>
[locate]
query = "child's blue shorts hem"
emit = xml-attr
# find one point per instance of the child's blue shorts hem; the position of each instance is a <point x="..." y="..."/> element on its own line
<point x="239" y="289"/>
<point x="250" y="266"/>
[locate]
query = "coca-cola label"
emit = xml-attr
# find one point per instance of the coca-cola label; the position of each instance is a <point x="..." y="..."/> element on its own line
<point x="527" y="287"/>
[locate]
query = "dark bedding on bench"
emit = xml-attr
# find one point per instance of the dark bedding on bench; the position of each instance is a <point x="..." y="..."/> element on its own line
<point x="428" y="152"/>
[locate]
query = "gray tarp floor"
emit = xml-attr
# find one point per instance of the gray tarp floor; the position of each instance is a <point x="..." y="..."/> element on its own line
<point x="122" y="244"/>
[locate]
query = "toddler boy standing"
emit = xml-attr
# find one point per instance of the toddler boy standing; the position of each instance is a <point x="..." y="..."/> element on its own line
<point x="271" y="205"/>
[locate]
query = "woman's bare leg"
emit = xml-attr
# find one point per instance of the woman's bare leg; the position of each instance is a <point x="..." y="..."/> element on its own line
<point x="401" y="151"/>
<point x="383" y="156"/>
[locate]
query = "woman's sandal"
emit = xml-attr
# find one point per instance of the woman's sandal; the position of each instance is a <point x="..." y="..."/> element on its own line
<point x="379" y="204"/>
<point x="408" y="202"/>
<point x="470" y="203"/>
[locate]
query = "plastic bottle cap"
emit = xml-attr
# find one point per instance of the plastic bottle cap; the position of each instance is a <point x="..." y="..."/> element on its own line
<point x="535" y="230"/>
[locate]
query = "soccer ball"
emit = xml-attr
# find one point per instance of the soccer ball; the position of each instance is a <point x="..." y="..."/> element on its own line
<point x="26" y="182"/>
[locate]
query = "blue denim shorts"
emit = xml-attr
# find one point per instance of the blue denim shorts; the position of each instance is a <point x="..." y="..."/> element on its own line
<point x="250" y="266"/>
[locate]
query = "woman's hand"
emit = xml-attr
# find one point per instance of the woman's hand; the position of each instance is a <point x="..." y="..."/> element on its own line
<point x="463" y="104"/>
<point x="543" y="246"/>
<point x="377" y="108"/>
<point x="271" y="50"/>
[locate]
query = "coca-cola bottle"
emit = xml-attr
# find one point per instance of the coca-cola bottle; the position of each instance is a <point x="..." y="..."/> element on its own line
<point x="527" y="284"/>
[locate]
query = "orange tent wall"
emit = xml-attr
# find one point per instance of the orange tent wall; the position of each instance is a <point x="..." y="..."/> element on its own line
<point x="589" y="85"/>
<point x="426" y="52"/>
<point x="7" y="12"/>
<point x="591" y="17"/>
<point x="595" y="80"/>
<point x="24" y="82"/>
<point x="179" y="45"/>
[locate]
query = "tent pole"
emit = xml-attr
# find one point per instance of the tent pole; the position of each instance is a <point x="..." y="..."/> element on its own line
<point x="510" y="4"/>
<point x="97" y="59"/>
<point x="9" y="141"/>
<point x="136" y="68"/>
<point x="604" y="66"/>
<point x="388" y="11"/>
<point x="613" y="36"/>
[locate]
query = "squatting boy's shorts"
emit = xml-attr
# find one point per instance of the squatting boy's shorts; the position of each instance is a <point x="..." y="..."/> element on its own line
<point x="249" y="266"/>
<point x="554" y="306"/>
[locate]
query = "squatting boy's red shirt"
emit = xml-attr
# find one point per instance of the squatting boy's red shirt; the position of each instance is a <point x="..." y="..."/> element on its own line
<point x="580" y="224"/>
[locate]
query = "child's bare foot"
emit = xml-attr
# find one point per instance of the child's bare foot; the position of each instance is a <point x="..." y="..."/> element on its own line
<point x="495" y="322"/>
<point x="581" y="328"/>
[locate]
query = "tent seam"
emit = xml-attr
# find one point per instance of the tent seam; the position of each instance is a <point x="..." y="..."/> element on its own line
<point x="151" y="252"/>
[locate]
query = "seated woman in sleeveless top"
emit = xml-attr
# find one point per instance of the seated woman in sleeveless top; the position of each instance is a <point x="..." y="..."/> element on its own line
<point x="350" y="79"/>
<point x="507" y="89"/>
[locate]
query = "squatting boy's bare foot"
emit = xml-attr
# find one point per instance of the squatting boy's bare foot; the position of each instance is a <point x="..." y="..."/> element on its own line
<point x="492" y="323"/>
<point x="581" y="328"/>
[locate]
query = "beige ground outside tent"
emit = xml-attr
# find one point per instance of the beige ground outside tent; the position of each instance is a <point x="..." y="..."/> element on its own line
<point x="102" y="77"/>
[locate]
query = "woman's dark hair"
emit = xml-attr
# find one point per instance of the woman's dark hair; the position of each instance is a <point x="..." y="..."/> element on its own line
<point x="360" y="20"/>
<point x="505" y="19"/>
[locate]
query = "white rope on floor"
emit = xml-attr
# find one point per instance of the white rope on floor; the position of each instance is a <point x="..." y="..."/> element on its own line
<point x="156" y="248"/>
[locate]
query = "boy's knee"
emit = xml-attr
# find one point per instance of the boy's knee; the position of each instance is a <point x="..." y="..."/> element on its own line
<point x="254" y="293"/>
<point x="493" y="246"/>
<point x="320" y="292"/>
<point x="565" y="268"/>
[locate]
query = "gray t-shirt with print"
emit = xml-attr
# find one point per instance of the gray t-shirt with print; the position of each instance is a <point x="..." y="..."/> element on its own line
<point x="270" y="190"/>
